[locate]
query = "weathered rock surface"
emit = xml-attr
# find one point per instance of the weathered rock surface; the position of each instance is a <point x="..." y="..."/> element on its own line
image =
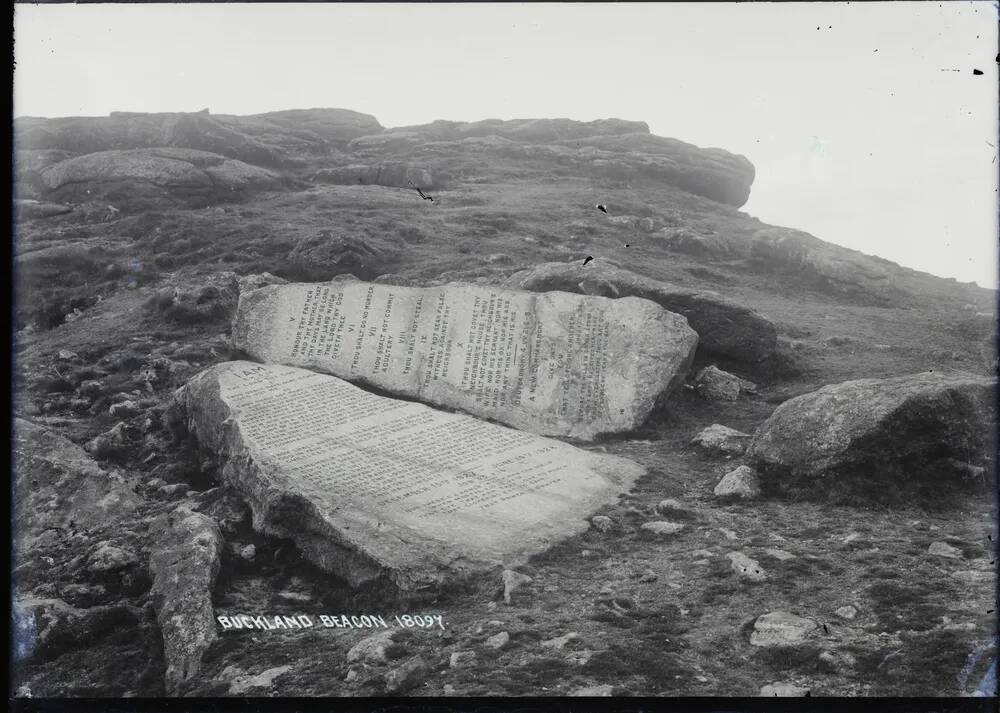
<point x="746" y="567"/>
<point x="783" y="690"/>
<point x="45" y="627"/>
<point x="780" y="628"/>
<point x="741" y="483"/>
<point x="724" y="327"/>
<point x="875" y="431"/>
<point x="57" y="483"/>
<point x="148" y="178"/>
<point x="324" y="255"/>
<point x="28" y="209"/>
<point x="553" y="364"/>
<point x="719" y="439"/>
<point x="714" y="384"/>
<point x="184" y="562"/>
<point x="375" y="489"/>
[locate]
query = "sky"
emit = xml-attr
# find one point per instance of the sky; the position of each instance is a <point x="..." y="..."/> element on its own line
<point x="865" y="122"/>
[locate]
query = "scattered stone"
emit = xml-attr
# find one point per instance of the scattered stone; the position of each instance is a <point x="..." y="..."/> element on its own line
<point x="729" y="534"/>
<point x="846" y="612"/>
<point x="110" y="443"/>
<point x="780" y="629"/>
<point x="173" y="489"/>
<point x="714" y="384"/>
<point x="648" y="576"/>
<point x="781" y="555"/>
<point x="675" y="508"/>
<point x="604" y="690"/>
<point x="124" y="409"/>
<point x="662" y="527"/>
<point x="498" y="641"/>
<point x="406" y="677"/>
<point x="264" y="679"/>
<point x="364" y="450"/>
<point x="579" y="657"/>
<point x="603" y="523"/>
<point x="294" y="597"/>
<point x="371" y="649"/>
<point x="943" y="549"/>
<point x="462" y="658"/>
<point x="511" y="582"/>
<point x="871" y="432"/>
<point x="560" y="641"/>
<point x="747" y="567"/>
<point x="632" y="343"/>
<point x="741" y="484"/>
<point x="184" y="562"/>
<point x="718" y="439"/>
<point x="66" y="355"/>
<point x="783" y="689"/>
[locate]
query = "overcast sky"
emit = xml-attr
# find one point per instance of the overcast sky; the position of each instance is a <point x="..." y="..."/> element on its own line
<point x="865" y="121"/>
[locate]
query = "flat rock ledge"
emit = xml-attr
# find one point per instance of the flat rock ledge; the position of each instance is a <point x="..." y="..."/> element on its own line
<point x="380" y="491"/>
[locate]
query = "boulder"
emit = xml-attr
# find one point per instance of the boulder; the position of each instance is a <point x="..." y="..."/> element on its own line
<point x="184" y="562"/>
<point x="140" y="179"/>
<point x="58" y="486"/>
<point x="724" y="328"/>
<point x="554" y="364"/>
<point x="391" y="493"/>
<point x="863" y="435"/>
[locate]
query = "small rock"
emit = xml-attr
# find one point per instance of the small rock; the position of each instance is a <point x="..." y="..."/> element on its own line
<point x="108" y="558"/>
<point x="294" y="597"/>
<point x="248" y="553"/>
<point x="173" y="489"/>
<point x="604" y="690"/>
<point x="670" y="506"/>
<point x="602" y="523"/>
<point x="580" y="657"/>
<point x="741" y="483"/>
<point x="730" y="534"/>
<point x="648" y="575"/>
<point x="846" y="612"/>
<point x="780" y="629"/>
<point x="498" y="641"/>
<point x="125" y="409"/>
<point x="372" y="648"/>
<point x="607" y="589"/>
<point x="352" y="676"/>
<point x="66" y="355"/>
<point x="943" y="549"/>
<point x="406" y="677"/>
<point x="511" y="582"/>
<point x="560" y="641"/>
<point x="448" y="689"/>
<point x="779" y="554"/>
<point x="714" y="384"/>
<point x="462" y="658"/>
<point x="662" y="527"/>
<point x="110" y="443"/>
<point x="155" y="483"/>
<point x="261" y="680"/>
<point x="718" y="439"/>
<point x="783" y="690"/>
<point x="746" y="567"/>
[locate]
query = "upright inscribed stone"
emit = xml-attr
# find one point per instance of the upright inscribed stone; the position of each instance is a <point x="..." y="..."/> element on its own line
<point x="554" y="363"/>
<point x="376" y="489"/>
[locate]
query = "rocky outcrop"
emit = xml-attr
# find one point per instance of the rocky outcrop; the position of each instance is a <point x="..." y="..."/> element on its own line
<point x="59" y="487"/>
<point x="399" y="175"/>
<point x="262" y="139"/>
<point x="27" y="209"/>
<point x="724" y="328"/>
<point x="184" y="562"/>
<point x="145" y="178"/>
<point x="871" y="434"/>
<point x="523" y="130"/>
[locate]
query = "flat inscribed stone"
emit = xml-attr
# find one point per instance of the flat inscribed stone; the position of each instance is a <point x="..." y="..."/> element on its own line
<point x="370" y="487"/>
<point x="553" y="363"/>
